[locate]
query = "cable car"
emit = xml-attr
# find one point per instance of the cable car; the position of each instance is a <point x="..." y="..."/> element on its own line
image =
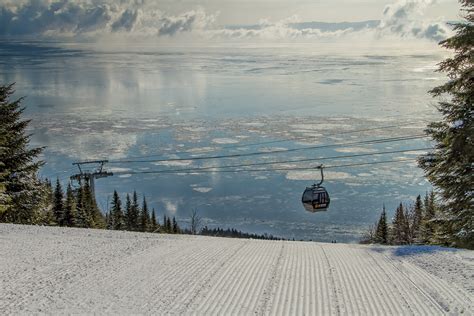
<point x="315" y="198"/>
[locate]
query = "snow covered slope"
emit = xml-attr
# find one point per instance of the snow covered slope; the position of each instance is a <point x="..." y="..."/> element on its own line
<point x="66" y="270"/>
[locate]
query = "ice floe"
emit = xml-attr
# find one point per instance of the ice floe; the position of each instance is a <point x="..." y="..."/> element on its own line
<point x="202" y="189"/>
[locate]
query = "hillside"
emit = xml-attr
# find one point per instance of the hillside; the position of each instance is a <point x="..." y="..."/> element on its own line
<point x="66" y="270"/>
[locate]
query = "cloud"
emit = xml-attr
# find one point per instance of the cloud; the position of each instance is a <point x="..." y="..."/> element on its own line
<point x="126" y="21"/>
<point x="406" y="18"/>
<point x="73" y="18"/>
<point x="186" y="22"/>
<point x="138" y="18"/>
<point x="286" y="29"/>
<point x="403" y="18"/>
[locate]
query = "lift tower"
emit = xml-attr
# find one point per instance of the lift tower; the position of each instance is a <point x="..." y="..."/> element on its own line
<point x="90" y="176"/>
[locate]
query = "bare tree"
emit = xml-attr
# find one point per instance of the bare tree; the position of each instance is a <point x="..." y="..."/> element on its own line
<point x="195" y="222"/>
<point x="369" y="235"/>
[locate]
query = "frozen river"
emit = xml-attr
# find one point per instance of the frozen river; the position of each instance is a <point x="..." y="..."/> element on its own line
<point x="151" y="102"/>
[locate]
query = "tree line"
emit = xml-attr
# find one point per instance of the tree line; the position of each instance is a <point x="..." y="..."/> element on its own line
<point x="234" y="233"/>
<point x="76" y="207"/>
<point x="415" y="223"/>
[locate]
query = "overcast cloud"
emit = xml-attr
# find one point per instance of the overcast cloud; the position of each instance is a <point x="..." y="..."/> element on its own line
<point x="140" y="18"/>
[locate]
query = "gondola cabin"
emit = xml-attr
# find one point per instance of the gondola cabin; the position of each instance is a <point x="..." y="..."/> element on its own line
<point x="315" y="199"/>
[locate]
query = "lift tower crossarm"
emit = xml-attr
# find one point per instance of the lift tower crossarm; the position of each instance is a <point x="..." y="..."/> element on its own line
<point x="91" y="176"/>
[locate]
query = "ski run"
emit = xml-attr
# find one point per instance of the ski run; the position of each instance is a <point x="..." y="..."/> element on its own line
<point x="51" y="270"/>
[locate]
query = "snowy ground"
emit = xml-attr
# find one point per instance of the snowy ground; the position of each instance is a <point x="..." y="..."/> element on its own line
<point x="63" y="270"/>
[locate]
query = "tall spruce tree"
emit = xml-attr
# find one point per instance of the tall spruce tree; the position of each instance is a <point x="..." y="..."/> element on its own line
<point x="175" y="227"/>
<point x="82" y="214"/>
<point x="165" y="224"/>
<point x="169" y="228"/>
<point x="154" y="223"/>
<point x="134" y="213"/>
<point x="400" y="227"/>
<point x="69" y="207"/>
<point x="108" y="220"/>
<point x="128" y="213"/>
<point x="4" y="198"/>
<point x="381" y="232"/>
<point x="118" y="221"/>
<point x="144" y="217"/>
<point x="94" y="213"/>
<point x="21" y="189"/>
<point x="46" y="205"/>
<point x="58" y="204"/>
<point x="417" y="220"/>
<point x="449" y="166"/>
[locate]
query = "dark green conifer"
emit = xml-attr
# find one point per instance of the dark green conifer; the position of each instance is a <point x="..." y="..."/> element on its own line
<point x="21" y="189"/>
<point x="108" y="220"/>
<point x="381" y="232"/>
<point x="175" y="227"/>
<point x="400" y="227"/>
<point x="449" y="167"/>
<point x="144" y="217"/>
<point x="58" y="204"/>
<point x="135" y="213"/>
<point x="83" y="217"/>
<point x="96" y="216"/>
<point x="128" y="213"/>
<point x="168" y="227"/>
<point x="47" y="215"/>
<point x="118" y="220"/>
<point x="4" y="198"/>
<point x="416" y="229"/>
<point x="69" y="207"/>
<point x="154" y="223"/>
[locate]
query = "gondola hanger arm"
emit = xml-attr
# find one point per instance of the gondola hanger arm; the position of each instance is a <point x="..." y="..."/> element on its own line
<point x="320" y="167"/>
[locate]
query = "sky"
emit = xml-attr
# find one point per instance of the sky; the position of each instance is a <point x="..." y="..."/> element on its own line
<point x="251" y="11"/>
<point x="224" y="20"/>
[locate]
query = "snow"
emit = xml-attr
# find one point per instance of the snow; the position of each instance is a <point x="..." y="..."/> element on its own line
<point x="458" y="124"/>
<point x="54" y="270"/>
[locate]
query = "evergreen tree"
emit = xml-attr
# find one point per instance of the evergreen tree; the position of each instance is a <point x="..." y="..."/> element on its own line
<point x="134" y="213"/>
<point x="58" y="204"/>
<point x="169" y="228"/>
<point x="83" y="218"/>
<point x="21" y="191"/>
<point x="108" y="221"/>
<point x="128" y="212"/>
<point x="144" y="217"/>
<point x="416" y="229"/>
<point x="69" y="207"/>
<point x="97" y="219"/>
<point x="400" y="227"/>
<point x="46" y="213"/>
<point x="118" y="221"/>
<point x="175" y="228"/>
<point x="434" y="230"/>
<point x="154" y="223"/>
<point x="381" y="232"/>
<point x="4" y="198"/>
<point x="449" y="165"/>
<point x="165" y="226"/>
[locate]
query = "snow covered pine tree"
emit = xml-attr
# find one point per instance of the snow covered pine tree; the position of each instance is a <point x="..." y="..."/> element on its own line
<point x="449" y="165"/>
